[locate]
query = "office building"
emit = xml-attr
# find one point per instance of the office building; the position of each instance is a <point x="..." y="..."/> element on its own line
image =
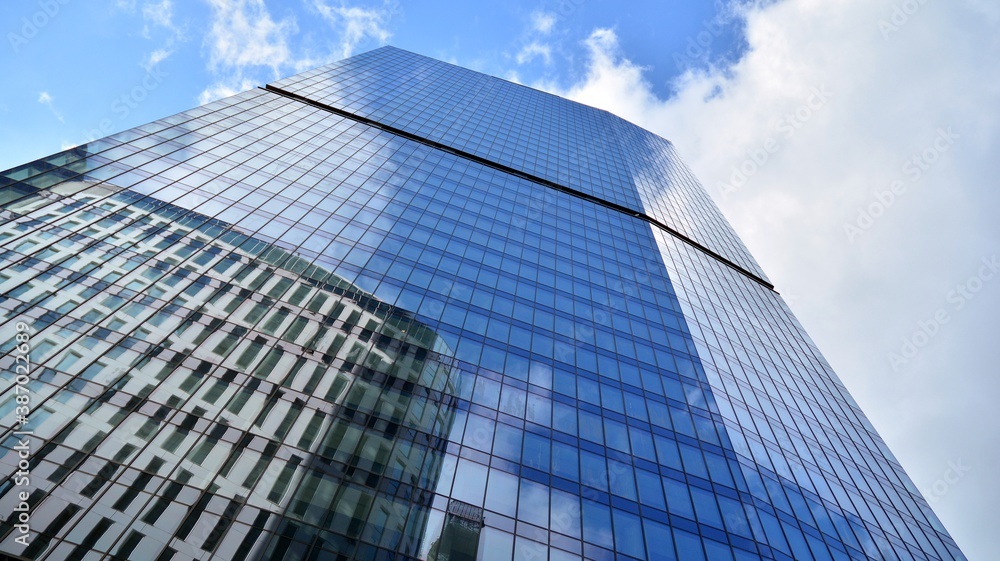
<point x="394" y="309"/>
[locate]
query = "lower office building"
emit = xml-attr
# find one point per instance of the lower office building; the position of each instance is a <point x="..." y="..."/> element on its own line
<point x="394" y="309"/>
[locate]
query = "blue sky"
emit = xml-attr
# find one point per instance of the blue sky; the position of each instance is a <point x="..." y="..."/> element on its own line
<point x="852" y="144"/>
<point x="108" y="65"/>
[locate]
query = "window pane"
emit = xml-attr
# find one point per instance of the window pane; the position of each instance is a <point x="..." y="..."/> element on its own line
<point x="659" y="544"/>
<point x="533" y="505"/>
<point x="565" y="513"/>
<point x="597" y="524"/>
<point x="628" y="534"/>
<point x="501" y="493"/>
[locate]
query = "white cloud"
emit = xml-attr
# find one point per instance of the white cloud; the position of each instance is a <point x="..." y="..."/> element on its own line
<point x="532" y="50"/>
<point x="535" y="43"/>
<point x="156" y="57"/>
<point x="45" y="99"/>
<point x="158" y="24"/>
<point x="542" y="22"/>
<point x="244" y="38"/>
<point x="356" y="24"/>
<point x="613" y="82"/>
<point x="223" y="89"/>
<point x="885" y="98"/>
<point x="243" y="35"/>
<point x="159" y="13"/>
<point x="988" y="8"/>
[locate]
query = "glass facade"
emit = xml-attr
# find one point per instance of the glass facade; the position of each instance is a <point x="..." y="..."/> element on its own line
<point x="395" y="309"/>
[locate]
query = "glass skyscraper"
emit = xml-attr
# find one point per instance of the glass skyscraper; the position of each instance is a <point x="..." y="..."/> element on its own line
<point x="394" y="309"/>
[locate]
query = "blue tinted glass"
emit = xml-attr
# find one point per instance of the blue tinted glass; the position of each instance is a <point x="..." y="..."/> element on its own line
<point x="390" y="308"/>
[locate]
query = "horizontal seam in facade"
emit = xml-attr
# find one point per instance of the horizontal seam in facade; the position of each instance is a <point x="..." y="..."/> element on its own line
<point x="524" y="175"/>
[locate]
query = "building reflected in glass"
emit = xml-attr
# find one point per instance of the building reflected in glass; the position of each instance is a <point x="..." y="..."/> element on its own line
<point x="395" y="309"/>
